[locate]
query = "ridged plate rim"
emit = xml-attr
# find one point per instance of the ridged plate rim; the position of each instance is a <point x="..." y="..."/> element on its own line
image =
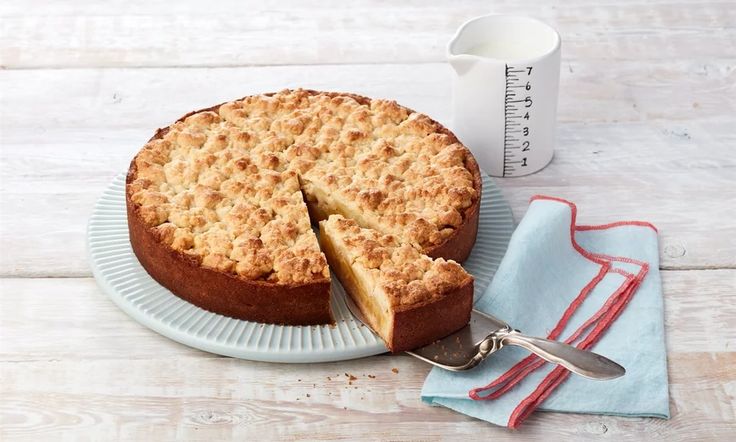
<point x="131" y="288"/>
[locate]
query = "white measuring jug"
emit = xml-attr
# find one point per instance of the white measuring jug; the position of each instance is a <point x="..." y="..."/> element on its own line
<point x="505" y="91"/>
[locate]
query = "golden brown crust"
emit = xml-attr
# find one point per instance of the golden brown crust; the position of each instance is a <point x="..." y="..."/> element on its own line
<point x="401" y="273"/>
<point x="459" y="244"/>
<point x="406" y="297"/>
<point x="224" y="293"/>
<point x="219" y="289"/>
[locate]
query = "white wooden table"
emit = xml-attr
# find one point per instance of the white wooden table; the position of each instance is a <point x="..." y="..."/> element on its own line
<point x="647" y="131"/>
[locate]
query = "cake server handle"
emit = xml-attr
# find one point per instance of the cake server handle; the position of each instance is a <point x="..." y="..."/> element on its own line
<point x="585" y="363"/>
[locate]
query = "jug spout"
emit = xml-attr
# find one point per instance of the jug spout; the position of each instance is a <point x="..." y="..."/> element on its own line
<point x="457" y="55"/>
<point x="462" y="63"/>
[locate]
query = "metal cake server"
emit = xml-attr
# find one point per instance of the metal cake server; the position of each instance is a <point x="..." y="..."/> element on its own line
<point x="485" y="335"/>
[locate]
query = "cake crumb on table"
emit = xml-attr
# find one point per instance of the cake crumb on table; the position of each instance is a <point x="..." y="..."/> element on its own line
<point x="395" y="370"/>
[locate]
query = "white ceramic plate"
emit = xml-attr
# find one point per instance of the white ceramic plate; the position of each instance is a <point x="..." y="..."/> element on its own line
<point x="122" y="277"/>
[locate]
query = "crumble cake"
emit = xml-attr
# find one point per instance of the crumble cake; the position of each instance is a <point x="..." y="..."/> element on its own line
<point x="408" y="298"/>
<point x="219" y="203"/>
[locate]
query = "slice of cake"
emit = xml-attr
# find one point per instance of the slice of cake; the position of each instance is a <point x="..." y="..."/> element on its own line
<point x="407" y="298"/>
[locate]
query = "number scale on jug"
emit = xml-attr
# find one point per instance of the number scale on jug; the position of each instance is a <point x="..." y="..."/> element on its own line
<point x="517" y="112"/>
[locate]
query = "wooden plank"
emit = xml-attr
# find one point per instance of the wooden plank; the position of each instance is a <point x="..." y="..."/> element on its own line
<point x="120" y="7"/>
<point x="590" y="92"/>
<point x="39" y="242"/>
<point x="248" y="33"/>
<point x="72" y="365"/>
<point x="32" y="309"/>
<point x="93" y="121"/>
<point x="230" y="399"/>
<point x="80" y="380"/>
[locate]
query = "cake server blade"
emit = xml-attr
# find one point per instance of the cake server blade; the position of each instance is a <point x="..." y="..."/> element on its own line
<point x="486" y="334"/>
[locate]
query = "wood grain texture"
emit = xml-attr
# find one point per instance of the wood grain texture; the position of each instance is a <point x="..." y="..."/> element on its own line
<point x="239" y="33"/>
<point x="92" y="369"/>
<point x="94" y="120"/>
<point x="230" y="399"/>
<point x="646" y="130"/>
<point x="30" y="309"/>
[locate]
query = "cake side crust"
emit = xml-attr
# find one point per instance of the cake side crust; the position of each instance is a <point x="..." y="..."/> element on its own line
<point x="420" y="325"/>
<point x="223" y="293"/>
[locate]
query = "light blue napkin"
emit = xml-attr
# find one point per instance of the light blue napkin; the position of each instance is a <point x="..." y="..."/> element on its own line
<point x="549" y="263"/>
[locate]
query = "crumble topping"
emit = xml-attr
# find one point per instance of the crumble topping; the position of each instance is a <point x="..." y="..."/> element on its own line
<point x="225" y="187"/>
<point x="406" y="276"/>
